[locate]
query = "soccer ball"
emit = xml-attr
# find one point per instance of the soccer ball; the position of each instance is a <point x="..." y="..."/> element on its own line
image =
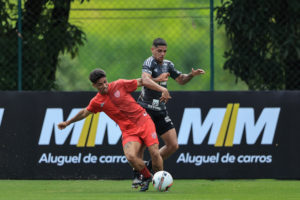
<point x="162" y="181"/>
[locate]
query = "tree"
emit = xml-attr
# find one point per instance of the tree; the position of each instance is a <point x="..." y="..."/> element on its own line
<point x="46" y="33"/>
<point x="265" y="45"/>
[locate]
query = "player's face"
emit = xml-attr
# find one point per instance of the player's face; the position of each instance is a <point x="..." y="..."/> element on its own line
<point x="101" y="85"/>
<point x="159" y="53"/>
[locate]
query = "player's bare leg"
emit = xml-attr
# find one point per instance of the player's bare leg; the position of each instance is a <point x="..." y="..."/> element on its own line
<point x="170" y="147"/>
<point x="171" y="144"/>
<point x="157" y="161"/>
<point x="137" y="179"/>
<point x="131" y="151"/>
<point x="141" y="152"/>
<point x="157" y="165"/>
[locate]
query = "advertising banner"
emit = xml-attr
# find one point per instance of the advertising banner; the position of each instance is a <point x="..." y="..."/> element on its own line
<point x="220" y="135"/>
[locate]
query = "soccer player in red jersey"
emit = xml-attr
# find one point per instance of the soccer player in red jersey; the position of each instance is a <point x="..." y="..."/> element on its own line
<point x="136" y="125"/>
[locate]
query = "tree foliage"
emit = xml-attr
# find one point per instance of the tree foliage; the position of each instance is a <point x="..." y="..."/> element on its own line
<point x="265" y="45"/>
<point x="46" y="33"/>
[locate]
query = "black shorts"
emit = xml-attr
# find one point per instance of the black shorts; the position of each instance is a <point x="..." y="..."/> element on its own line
<point x="162" y="121"/>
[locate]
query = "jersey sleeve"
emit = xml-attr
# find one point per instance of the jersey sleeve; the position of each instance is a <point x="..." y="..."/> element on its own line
<point x="92" y="107"/>
<point x="147" y="67"/>
<point x="130" y="85"/>
<point x="174" y="73"/>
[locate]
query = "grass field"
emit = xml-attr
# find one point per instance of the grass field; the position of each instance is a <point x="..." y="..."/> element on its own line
<point x="181" y="189"/>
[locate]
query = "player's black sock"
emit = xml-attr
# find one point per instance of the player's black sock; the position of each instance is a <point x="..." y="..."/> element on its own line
<point x="136" y="174"/>
<point x="149" y="165"/>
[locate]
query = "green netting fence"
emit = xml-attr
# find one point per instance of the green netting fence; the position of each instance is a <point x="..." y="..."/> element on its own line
<point x="54" y="44"/>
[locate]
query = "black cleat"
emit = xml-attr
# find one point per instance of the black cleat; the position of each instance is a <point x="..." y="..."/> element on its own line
<point x="136" y="179"/>
<point x="145" y="184"/>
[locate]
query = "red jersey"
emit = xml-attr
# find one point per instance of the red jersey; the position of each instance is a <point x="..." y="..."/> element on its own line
<point x="120" y="106"/>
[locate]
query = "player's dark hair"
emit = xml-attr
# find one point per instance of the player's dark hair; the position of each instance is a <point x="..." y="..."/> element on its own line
<point x="96" y="74"/>
<point x="159" y="42"/>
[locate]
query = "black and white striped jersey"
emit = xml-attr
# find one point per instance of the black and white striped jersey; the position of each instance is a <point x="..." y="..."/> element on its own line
<point x="149" y="98"/>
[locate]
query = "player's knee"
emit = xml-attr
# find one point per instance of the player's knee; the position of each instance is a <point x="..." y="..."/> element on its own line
<point x="176" y="146"/>
<point x="173" y="147"/>
<point x="155" y="155"/>
<point x="131" y="158"/>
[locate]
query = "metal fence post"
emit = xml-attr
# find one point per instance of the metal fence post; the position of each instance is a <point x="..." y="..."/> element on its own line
<point x="211" y="45"/>
<point x="19" y="34"/>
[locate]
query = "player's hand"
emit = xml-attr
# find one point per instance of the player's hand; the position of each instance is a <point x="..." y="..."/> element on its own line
<point x="165" y="96"/>
<point x="162" y="77"/>
<point x="62" y="125"/>
<point x="197" y="72"/>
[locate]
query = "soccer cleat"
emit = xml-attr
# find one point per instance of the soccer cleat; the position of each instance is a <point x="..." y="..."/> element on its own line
<point x="136" y="179"/>
<point x="145" y="184"/>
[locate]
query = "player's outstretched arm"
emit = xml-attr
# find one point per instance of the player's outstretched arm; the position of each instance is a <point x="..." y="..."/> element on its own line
<point x="79" y="116"/>
<point x="185" y="78"/>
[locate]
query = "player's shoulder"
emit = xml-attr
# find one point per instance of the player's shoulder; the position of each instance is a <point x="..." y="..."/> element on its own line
<point x="117" y="82"/>
<point x="168" y="62"/>
<point x="148" y="62"/>
<point x="97" y="97"/>
<point x="120" y="82"/>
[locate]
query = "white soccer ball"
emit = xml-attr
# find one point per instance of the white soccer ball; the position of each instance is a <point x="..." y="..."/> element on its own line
<point x="162" y="181"/>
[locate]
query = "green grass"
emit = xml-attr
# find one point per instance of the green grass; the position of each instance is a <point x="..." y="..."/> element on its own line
<point x="181" y="189"/>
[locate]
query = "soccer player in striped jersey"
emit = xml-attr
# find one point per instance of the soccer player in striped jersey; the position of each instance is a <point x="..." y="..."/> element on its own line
<point x="158" y="69"/>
